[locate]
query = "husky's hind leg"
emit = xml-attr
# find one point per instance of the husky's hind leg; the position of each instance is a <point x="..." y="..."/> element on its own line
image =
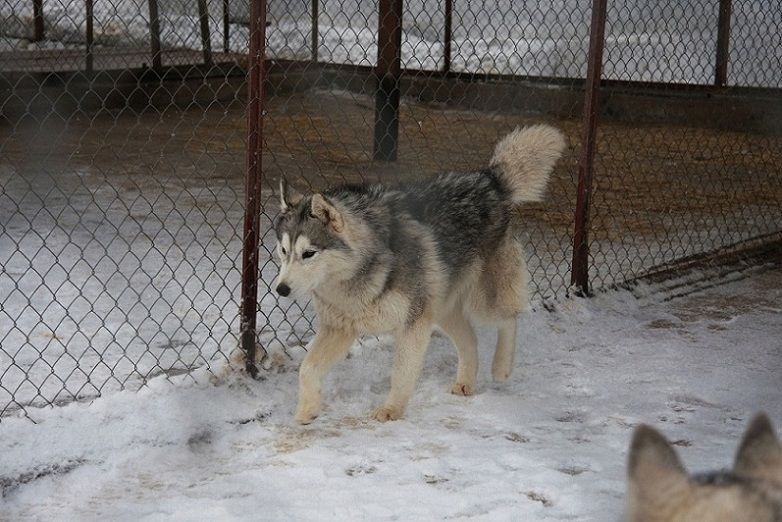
<point x="502" y="365"/>
<point x="409" y="355"/>
<point x="511" y="301"/>
<point x="458" y="328"/>
<point x="499" y="299"/>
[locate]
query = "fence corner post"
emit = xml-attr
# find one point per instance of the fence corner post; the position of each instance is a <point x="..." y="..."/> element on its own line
<point x="253" y="179"/>
<point x="580" y="267"/>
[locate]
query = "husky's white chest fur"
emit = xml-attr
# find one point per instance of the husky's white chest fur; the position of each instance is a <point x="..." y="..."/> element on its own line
<point x="385" y="314"/>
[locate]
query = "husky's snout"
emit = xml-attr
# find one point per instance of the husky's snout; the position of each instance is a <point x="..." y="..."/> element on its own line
<point x="283" y="289"/>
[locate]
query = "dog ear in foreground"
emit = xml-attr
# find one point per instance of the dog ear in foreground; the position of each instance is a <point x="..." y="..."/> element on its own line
<point x="659" y="488"/>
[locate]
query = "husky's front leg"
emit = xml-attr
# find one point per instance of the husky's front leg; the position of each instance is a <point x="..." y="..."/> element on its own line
<point x="411" y="346"/>
<point x="328" y="347"/>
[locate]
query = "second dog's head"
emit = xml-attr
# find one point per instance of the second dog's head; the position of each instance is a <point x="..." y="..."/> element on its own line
<point x="313" y="242"/>
<point x="661" y="490"/>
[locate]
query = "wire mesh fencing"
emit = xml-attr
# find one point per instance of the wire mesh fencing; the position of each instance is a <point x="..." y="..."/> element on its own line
<point x="123" y="148"/>
<point x="121" y="145"/>
<point x="691" y="171"/>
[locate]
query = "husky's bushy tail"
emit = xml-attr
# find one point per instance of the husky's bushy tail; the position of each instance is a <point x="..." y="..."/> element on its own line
<point x="525" y="157"/>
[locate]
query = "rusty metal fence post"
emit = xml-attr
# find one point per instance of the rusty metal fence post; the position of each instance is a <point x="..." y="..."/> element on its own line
<point x="388" y="73"/>
<point x="38" y="26"/>
<point x="89" y="37"/>
<point x="252" y="211"/>
<point x="447" y="35"/>
<point x="315" y="30"/>
<point x="206" y="38"/>
<point x="154" y="35"/>
<point x="580" y="269"/>
<point x="723" y="44"/>
<point x="226" y="27"/>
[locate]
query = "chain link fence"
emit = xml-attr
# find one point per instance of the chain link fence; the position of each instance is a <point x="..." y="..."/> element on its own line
<point x="694" y="171"/>
<point x="123" y="145"/>
<point x="120" y="196"/>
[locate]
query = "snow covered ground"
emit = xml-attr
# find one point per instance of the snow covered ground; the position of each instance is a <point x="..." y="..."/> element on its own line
<point x="548" y="445"/>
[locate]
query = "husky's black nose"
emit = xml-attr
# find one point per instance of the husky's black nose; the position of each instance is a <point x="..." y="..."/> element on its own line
<point x="283" y="289"/>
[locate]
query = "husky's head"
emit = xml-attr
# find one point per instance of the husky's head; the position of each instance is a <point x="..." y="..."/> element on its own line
<point x="660" y="489"/>
<point x="312" y="243"/>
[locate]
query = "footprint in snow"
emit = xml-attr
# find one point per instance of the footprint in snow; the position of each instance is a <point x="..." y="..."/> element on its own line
<point x="360" y="469"/>
<point x="515" y="437"/>
<point x="573" y="470"/>
<point x="539" y="497"/>
<point x="571" y="416"/>
<point x="434" y="479"/>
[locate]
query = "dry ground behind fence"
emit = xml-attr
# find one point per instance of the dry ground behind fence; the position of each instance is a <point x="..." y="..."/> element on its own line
<point x="662" y="192"/>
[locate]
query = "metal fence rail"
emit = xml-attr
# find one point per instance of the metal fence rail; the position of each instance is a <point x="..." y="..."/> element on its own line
<point x="138" y="166"/>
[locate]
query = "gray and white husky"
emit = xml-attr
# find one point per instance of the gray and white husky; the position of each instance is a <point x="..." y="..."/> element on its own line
<point x="405" y="259"/>
<point x="659" y="488"/>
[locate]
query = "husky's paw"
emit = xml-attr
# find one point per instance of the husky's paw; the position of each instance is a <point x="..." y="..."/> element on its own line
<point x="305" y="415"/>
<point x="306" y="418"/>
<point x="500" y="374"/>
<point x="462" y="389"/>
<point x="387" y="413"/>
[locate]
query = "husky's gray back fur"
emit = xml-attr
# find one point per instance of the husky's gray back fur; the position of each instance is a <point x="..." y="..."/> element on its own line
<point x="659" y="488"/>
<point x="467" y="214"/>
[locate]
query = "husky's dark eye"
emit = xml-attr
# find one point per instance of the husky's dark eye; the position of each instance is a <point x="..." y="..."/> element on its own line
<point x="308" y="254"/>
<point x="282" y="249"/>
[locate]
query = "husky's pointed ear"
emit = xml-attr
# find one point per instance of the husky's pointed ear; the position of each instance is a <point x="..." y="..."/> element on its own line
<point x="649" y="449"/>
<point x="326" y="213"/>
<point x="654" y="471"/>
<point x="288" y="196"/>
<point x="759" y="450"/>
